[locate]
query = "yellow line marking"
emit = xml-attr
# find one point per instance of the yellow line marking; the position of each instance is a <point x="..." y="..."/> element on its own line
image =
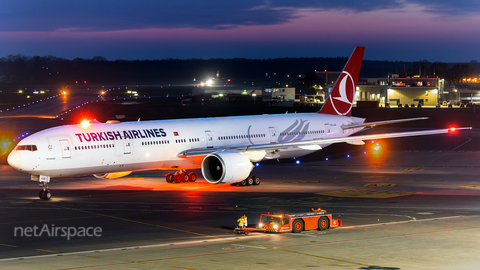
<point x="379" y="185"/>
<point x="134" y="262"/>
<point x="7" y="245"/>
<point x="470" y="186"/>
<point x="46" y="250"/>
<point x="374" y="176"/>
<point x="414" y="169"/>
<point x="20" y="186"/>
<point x="366" y="193"/>
<point x="20" y="202"/>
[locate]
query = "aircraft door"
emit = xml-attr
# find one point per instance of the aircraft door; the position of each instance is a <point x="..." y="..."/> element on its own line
<point x="272" y="134"/>
<point x="209" y="138"/>
<point x="327" y="131"/>
<point x="65" y="146"/>
<point x="127" y="146"/>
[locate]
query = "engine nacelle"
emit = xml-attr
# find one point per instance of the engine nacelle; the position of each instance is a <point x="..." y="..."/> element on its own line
<point x="111" y="175"/>
<point x="226" y="167"/>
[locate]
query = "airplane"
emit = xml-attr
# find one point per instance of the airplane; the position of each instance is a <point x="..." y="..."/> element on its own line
<point x="224" y="148"/>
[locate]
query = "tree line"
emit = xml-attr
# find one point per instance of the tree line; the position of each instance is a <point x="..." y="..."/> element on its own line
<point x="48" y="70"/>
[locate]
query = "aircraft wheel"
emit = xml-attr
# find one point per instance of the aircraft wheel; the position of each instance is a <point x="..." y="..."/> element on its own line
<point x="177" y="178"/>
<point x="243" y="183"/>
<point x="193" y="177"/>
<point x="185" y="177"/>
<point x="249" y="181"/>
<point x="256" y="180"/>
<point x="45" y="195"/>
<point x="170" y="178"/>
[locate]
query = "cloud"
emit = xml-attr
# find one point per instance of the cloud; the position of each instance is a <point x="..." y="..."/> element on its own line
<point x="114" y="15"/>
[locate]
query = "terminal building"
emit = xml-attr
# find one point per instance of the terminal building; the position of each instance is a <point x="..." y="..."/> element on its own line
<point x="395" y="91"/>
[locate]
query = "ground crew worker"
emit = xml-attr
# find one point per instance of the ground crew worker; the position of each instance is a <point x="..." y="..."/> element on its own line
<point x="242" y="222"/>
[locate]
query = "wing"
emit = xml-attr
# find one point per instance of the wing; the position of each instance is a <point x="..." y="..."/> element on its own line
<point x="373" y="124"/>
<point x="316" y="143"/>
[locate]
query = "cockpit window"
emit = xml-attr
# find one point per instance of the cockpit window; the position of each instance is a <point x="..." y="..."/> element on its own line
<point x="27" y="147"/>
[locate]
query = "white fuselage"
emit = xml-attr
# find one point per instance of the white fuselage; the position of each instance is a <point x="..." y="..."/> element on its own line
<point x="131" y="146"/>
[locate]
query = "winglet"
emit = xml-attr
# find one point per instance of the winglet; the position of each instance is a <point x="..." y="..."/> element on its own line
<point x="340" y="100"/>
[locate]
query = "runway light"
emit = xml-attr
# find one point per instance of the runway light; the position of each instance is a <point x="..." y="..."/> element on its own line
<point x="298" y="161"/>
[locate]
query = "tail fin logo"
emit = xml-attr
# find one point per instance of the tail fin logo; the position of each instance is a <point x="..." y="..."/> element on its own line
<point x="346" y="89"/>
<point x="340" y="101"/>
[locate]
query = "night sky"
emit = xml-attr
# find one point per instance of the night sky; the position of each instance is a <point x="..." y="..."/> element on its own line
<point x="404" y="30"/>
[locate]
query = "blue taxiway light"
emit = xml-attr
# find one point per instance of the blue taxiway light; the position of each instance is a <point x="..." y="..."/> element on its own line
<point x="257" y="164"/>
<point x="298" y="161"/>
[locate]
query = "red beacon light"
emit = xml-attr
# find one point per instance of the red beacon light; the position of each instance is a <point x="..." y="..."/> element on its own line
<point x="85" y="124"/>
<point x="452" y="129"/>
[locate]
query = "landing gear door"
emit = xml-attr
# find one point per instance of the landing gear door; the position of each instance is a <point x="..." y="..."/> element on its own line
<point x="65" y="146"/>
<point x="209" y="138"/>
<point x="272" y="134"/>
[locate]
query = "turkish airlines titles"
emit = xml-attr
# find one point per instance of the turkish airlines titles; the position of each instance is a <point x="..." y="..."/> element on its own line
<point x="117" y="135"/>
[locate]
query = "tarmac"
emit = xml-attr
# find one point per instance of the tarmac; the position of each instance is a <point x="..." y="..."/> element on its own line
<point x="413" y="205"/>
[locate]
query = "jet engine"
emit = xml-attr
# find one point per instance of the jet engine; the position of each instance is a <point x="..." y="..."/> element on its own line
<point x="226" y="167"/>
<point x="111" y="175"/>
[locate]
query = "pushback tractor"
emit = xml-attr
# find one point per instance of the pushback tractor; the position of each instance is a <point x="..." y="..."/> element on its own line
<point x="316" y="219"/>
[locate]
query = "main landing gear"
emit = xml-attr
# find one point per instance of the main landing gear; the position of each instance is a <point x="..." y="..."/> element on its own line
<point x="45" y="193"/>
<point x="249" y="181"/>
<point x="181" y="176"/>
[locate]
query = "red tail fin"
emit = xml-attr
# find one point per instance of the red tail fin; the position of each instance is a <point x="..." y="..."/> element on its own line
<point x="340" y="100"/>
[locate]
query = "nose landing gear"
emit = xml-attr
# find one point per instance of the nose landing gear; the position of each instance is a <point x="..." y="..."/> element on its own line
<point x="45" y="193"/>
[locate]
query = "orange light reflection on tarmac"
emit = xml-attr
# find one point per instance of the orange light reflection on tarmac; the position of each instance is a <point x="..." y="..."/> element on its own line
<point x="65" y="102"/>
<point x="134" y="183"/>
<point x="376" y="151"/>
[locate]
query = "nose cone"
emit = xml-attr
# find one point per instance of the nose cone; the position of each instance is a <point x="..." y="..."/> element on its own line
<point x="14" y="160"/>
